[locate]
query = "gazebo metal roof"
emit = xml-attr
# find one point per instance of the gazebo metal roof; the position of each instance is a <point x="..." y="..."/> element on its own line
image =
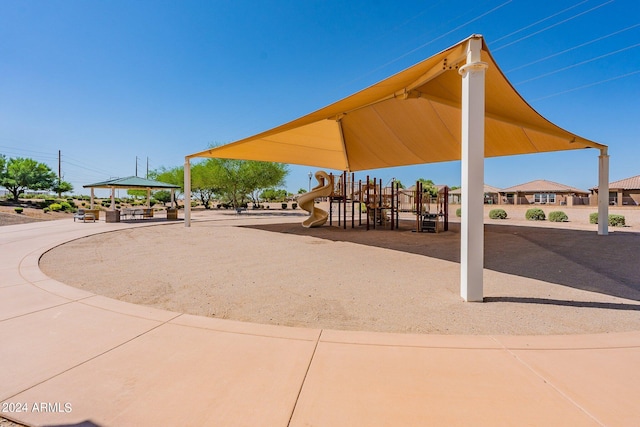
<point x="131" y="182"/>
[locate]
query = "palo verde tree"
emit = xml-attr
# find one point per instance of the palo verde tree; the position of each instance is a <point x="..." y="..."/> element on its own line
<point x="234" y="181"/>
<point x="239" y="180"/>
<point x="173" y="176"/>
<point x="62" y="187"/>
<point x="205" y="182"/>
<point x="20" y="174"/>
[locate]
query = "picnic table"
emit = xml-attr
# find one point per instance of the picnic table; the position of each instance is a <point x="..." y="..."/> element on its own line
<point x="138" y="213"/>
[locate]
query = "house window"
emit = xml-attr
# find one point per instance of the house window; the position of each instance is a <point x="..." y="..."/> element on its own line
<point x="544" y="198"/>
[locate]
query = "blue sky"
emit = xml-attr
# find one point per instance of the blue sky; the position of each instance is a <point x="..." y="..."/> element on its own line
<point x="106" y="82"/>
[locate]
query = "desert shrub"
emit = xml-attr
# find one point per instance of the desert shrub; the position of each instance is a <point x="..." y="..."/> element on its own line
<point x="49" y="201"/>
<point x="535" y="214"/>
<point x="84" y="203"/>
<point x="45" y="210"/>
<point x="558" y="216"/>
<point x="497" y="214"/>
<point x="459" y="212"/>
<point x="66" y="206"/>
<point x="55" y="207"/>
<point x="18" y="210"/>
<point x="616" y="220"/>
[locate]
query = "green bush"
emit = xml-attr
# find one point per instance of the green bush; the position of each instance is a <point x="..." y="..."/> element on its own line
<point x="18" y="210"/>
<point x="55" y="207"/>
<point x="45" y="210"/>
<point x="558" y="216"/>
<point x="459" y="212"/>
<point x="497" y="214"/>
<point x="66" y="206"/>
<point x="616" y="221"/>
<point x="535" y="214"/>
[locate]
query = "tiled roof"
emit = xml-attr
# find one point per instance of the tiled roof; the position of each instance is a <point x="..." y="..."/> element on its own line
<point x="543" y="186"/>
<point x="487" y="189"/>
<point x="632" y="183"/>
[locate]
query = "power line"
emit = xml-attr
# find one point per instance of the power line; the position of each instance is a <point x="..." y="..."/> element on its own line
<point x="578" y="64"/>
<point x="587" y="86"/>
<point x="431" y="41"/>
<point x="573" y="48"/>
<point x="552" y="26"/>
<point x="540" y="21"/>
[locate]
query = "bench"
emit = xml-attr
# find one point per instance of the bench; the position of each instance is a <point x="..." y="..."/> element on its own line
<point x="84" y="216"/>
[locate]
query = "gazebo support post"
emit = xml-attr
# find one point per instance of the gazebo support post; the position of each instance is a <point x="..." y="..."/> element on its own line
<point x="173" y="195"/>
<point x="603" y="192"/>
<point x="92" y="197"/>
<point x="148" y="198"/>
<point x="187" y="192"/>
<point x="113" y="198"/>
<point x="472" y="224"/>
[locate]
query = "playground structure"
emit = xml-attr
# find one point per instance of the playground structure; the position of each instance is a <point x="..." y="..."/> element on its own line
<point x="317" y="217"/>
<point x="374" y="205"/>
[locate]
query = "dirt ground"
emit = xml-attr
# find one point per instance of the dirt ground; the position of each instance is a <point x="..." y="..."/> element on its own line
<point x="8" y="215"/>
<point x="266" y="268"/>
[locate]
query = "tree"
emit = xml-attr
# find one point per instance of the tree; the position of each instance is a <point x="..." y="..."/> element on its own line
<point x="429" y="187"/>
<point x="239" y="180"/>
<point x="204" y="182"/>
<point x="22" y="174"/>
<point x="233" y="181"/>
<point x="163" y="196"/>
<point x="273" y="195"/>
<point x="62" y="187"/>
<point x="173" y="176"/>
<point x="137" y="193"/>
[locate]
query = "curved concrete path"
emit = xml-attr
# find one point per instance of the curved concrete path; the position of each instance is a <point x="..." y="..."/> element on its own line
<point x="70" y="357"/>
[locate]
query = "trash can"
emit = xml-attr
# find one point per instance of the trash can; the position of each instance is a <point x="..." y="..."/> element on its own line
<point x="112" y="216"/>
<point x="172" y="213"/>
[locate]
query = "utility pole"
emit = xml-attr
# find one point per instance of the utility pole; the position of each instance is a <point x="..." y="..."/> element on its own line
<point x="136" y="166"/>
<point x="147" y="175"/>
<point x="59" y="173"/>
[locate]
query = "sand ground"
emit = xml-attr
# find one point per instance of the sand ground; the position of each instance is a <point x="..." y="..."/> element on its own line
<point x="264" y="267"/>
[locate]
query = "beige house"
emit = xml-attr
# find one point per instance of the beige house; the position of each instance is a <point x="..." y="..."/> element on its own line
<point x="543" y="192"/>
<point x="625" y="192"/>
<point x="491" y="195"/>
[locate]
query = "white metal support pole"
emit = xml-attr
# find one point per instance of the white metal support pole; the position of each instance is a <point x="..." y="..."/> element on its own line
<point x="603" y="192"/>
<point x="187" y="192"/>
<point x="472" y="223"/>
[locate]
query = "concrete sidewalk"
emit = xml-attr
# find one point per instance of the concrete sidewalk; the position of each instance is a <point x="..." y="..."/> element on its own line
<point x="69" y="357"/>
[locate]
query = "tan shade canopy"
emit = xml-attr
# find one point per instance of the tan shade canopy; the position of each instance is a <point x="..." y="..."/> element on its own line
<point x="413" y="117"/>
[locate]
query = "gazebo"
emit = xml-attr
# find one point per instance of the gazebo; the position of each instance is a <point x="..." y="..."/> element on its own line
<point x="132" y="182"/>
<point x="455" y="105"/>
